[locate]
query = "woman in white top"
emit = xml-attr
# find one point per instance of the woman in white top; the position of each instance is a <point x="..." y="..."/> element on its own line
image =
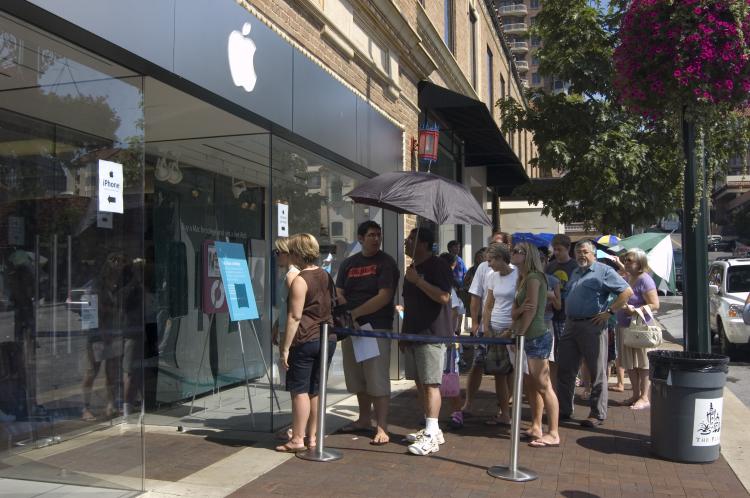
<point x="496" y="316"/>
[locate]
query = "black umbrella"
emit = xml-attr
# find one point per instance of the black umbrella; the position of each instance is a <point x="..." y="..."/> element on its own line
<point x="424" y="194"/>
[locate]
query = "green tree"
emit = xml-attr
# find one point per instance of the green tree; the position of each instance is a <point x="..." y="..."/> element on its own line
<point x="617" y="169"/>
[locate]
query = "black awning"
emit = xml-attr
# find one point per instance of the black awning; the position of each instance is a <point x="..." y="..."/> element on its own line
<point x="484" y="144"/>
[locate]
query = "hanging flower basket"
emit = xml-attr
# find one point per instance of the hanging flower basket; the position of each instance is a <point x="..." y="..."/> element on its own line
<point x="675" y="53"/>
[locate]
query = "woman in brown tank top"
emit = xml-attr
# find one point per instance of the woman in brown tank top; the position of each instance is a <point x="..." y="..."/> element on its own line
<point x="309" y="305"/>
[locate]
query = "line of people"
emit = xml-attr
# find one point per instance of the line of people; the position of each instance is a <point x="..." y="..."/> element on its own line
<point x="562" y="306"/>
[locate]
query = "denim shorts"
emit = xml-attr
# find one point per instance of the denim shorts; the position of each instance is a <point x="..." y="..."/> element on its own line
<point x="539" y="347"/>
<point x="303" y="375"/>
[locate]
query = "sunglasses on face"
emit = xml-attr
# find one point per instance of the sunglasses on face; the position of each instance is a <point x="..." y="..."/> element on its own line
<point x="519" y="251"/>
<point x="276" y="252"/>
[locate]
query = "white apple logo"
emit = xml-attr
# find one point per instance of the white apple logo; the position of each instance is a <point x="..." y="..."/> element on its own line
<point x="241" y="51"/>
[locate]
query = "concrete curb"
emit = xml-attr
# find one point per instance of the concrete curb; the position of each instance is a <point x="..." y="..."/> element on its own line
<point x="735" y="440"/>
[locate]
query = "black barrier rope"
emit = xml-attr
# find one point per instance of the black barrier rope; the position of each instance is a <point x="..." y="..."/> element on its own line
<point x="431" y="339"/>
<point x="512" y="472"/>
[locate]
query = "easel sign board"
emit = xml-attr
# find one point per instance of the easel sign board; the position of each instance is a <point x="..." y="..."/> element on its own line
<point x="237" y="285"/>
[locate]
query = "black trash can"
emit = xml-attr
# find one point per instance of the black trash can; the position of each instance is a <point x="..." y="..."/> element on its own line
<point x="686" y="404"/>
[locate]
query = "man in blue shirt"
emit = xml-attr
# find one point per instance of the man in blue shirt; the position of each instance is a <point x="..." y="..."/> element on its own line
<point x="585" y="334"/>
<point x="454" y="247"/>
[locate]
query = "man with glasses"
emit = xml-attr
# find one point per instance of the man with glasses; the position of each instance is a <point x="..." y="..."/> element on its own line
<point x="585" y="333"/>
<point x="366" y="283"/>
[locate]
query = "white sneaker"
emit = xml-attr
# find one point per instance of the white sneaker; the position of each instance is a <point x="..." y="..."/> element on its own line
<point x="415" y="435"/>
<point x="424" y="445"/>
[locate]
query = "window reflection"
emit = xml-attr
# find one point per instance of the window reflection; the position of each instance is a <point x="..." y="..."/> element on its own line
<point x="71" y="272"/>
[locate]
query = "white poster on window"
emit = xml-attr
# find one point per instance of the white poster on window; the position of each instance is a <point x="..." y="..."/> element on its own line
<point x="707" y="422"/>
<point x="110" y="187"/>
<point x="283" y="220"/>
<point x="89" y="312"/>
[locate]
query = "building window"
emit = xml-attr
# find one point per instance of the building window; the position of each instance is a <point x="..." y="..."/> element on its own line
<point x="559" y="85"/>
<point x="535" y="41"/>
<point x="337" y="190"/>
<point x="448" y="24"/>
<point x="490" y="82"/>
<point x="535" y="60"/>
<point x="337" y="229"/>
<point x="535" y="4"/>
<point x="532" y="21"/>
<point x="502" y="87"/>
<point x="313" y="181"/>
<point x="473" y="46"/>
<point x="536" y="79"/>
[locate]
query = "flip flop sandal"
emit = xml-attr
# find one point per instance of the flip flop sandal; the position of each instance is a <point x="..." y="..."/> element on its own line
<point x="538" y="443"/>
<point x="287" y="448"/>
<point x="379" y="443"/>
<point x="525" y="436"/>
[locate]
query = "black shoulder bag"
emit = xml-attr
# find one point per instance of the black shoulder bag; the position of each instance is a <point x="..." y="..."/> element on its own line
<point x="342" y="318"/>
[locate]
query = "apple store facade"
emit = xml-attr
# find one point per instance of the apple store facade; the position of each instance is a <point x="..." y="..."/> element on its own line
<point x="133" y="135"/>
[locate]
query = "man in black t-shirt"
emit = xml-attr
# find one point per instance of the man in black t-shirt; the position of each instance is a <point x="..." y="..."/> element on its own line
<point x="427" y="296"/>
<point x="366" y="283"/>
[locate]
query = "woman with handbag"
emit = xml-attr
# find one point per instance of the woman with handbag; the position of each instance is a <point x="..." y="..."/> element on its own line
<point x="528" y="320"/>
<point x="309" y="306"/>
<point x="496" y="316"/>
<point x="644" y="300"/>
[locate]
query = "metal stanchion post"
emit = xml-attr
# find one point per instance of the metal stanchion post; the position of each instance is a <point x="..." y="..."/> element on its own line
<point x="513" y="472"/>
<point x="319" y="453"/>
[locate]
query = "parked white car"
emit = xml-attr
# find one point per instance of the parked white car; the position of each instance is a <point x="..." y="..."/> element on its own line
<point x="729" y="285"/>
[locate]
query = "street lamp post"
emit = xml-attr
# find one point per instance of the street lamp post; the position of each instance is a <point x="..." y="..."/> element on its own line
<point x="695" y="265"/>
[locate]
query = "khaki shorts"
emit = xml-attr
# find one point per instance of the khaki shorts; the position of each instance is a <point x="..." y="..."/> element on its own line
<point x="370" y="376"/>
<point x="424" y="363"/>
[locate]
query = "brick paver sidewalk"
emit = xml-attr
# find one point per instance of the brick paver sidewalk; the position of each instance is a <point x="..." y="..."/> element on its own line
<point x="611" y="460"/>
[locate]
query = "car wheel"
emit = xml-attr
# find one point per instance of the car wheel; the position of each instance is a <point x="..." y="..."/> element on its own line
<point x="725" y="347"/>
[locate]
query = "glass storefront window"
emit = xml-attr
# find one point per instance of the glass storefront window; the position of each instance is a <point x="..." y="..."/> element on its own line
<point x="71" y="263"/>
<point x="114" y="188"/>
<point x="314" y="190"/>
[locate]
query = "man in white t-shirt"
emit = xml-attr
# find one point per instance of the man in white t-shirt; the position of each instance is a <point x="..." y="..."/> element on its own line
<point x="478" y="293"/>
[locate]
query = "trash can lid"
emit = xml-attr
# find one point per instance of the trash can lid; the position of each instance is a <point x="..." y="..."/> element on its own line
<point x="689" y="361"/>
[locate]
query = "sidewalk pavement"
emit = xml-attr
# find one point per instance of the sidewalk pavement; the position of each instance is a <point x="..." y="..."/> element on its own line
<point x="611" y="460"/>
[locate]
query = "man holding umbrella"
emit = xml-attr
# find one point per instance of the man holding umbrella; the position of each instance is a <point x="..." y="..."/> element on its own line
<point x="427" y="292"/>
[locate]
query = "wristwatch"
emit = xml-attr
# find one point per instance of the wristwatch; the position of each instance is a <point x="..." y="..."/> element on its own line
<point x="610" y="311"/>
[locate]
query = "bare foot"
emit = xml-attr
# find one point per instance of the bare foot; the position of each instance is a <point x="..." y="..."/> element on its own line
<point x="618" y="388"/>
<point x="531" y="434"/>
<point x="291" y="447"/>
<point x="628" y="402"/>
<point x="87" y="415"/>
<point x="546" y="441"/>
<point x="641" y="404"/>
<point x="380" y="438"/>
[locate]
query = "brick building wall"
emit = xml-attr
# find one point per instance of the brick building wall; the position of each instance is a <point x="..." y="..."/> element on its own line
<point x="382" y="49"/>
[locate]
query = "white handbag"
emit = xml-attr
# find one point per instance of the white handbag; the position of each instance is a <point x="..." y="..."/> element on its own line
<point x="639" y="334"/>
